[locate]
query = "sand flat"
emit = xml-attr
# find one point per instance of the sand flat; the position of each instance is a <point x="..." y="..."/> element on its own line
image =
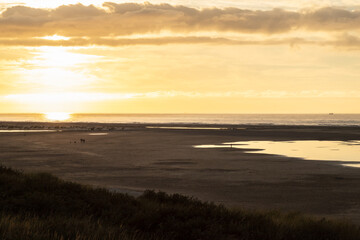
<point x="138" y="158"/>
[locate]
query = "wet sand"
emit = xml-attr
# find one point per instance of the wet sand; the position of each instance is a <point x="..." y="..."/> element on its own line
<point x="132" y="158"/>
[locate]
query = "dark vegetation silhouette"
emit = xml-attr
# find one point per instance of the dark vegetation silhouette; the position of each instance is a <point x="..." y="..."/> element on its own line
<point x="41" y="206"/>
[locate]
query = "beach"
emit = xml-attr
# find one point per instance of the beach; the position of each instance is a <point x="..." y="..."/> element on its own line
<point x="130" y="158"/>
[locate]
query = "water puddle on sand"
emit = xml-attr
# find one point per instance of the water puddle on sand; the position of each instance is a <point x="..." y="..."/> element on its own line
<point x="27" y="131"/>
<point x="190" y="128"/>
<point x="345" y="152"/>
<point x="98" y="134"/>
<point x="196" y="128"/>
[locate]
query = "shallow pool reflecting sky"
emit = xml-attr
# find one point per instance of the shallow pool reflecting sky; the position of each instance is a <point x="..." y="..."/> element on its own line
<point x="346" y="152"/>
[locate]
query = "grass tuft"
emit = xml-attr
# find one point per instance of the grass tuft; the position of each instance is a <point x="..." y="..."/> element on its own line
<point x="41" y="206"/>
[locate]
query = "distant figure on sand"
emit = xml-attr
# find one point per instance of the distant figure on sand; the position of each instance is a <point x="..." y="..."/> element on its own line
<point x="82" y="140"/>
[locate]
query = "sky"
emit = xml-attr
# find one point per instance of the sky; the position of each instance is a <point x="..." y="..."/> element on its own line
<point x="180" y="56"/>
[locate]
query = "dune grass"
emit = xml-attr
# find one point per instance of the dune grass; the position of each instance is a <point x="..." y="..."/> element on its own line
<point x="41" y="206"/>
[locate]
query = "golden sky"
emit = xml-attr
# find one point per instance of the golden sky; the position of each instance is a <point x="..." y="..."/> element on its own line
<point x="180" y="56"/>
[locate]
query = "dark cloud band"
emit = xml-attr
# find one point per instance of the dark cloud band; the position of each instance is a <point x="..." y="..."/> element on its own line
<point x="90" y="25"/>
<point x="131" y="18"/>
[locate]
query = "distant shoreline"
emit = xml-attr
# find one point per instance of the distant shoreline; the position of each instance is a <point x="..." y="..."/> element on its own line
<point x="242" y="131"/>
<point x="192" y="119"/>
<point x="21" y="124"/>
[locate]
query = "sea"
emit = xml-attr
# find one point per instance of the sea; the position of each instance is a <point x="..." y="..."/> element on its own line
<point x="231" y="119"/>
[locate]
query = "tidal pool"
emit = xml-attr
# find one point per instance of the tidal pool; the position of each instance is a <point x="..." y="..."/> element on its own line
<point x="347" y="153"/>
<point x="189" y="128"/>
<point x="98" y="134"/>
<point x="27" y="131"/>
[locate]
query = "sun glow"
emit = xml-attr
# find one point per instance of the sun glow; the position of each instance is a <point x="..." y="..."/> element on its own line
<point x="58" y="69"/>
<point x="60" y="57"/>
<point x="55" y="38"/>
<point x="57" y="116"/>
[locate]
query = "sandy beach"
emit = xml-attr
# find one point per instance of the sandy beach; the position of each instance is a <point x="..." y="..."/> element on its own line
<point x="132" y="158"/>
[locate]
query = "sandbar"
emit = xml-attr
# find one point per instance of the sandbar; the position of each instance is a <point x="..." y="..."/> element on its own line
<point x="132" y="158"/>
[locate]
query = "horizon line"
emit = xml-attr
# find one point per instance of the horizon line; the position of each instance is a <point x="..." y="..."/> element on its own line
<point x="178" y="113"/>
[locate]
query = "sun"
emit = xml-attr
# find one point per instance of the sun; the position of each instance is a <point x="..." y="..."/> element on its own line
<point x="57" y="116"/>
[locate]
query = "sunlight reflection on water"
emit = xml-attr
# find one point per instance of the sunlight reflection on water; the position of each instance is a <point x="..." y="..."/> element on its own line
<point x="345" y="152"/>
<point x="57" y="116"/>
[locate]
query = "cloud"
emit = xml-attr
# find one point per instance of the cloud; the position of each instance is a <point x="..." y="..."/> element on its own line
<point x="113" y="42"/>
<point x="264" y="94"/>
<point x="331" y="19"/>
<point x="132" y="18"/>
<point x="346" y="41"/>
<point x="113" y="24"/>
<point x="94" y="97"/>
